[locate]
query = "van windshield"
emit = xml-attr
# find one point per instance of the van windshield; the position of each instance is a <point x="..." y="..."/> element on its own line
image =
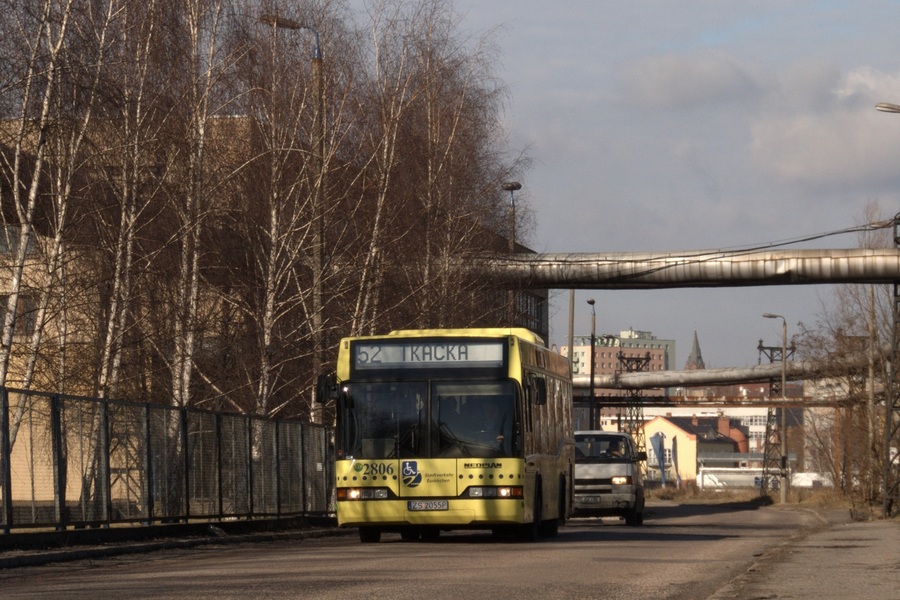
<point x="593" y="448"/>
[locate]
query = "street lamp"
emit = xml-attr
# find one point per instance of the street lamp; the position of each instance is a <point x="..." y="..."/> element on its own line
<point x="318" y="255"/>
<point x="593" y="403"/>
<point x="888" y="107"/>
<point x="282" y="23"/>
<point x="783" y="433"/>
<point x="512" y="187"/>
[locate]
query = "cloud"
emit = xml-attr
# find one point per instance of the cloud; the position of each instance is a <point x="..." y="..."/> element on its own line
<point x="837" y="138"/>
<point x="671" y="80"/>
<point x="870" y="83"/>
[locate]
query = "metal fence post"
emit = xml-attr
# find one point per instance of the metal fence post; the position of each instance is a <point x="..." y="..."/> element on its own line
<point x="250" y="486"/>
<point x="277" y="469"/>
<point x="186" y="462"/>
<point x="59" y="463"/>
<point x="104" y="486"/>
<point x="148" y="464"/>
<point x="5" y="457"/>
<point x="220" y="505"/>
<point x="304" y="465"/>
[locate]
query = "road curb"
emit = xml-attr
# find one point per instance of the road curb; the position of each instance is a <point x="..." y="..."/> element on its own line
<point x="30" y="558"/>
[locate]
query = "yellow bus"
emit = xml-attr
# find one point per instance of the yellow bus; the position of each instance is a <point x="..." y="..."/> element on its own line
<point x="452" y="429"/>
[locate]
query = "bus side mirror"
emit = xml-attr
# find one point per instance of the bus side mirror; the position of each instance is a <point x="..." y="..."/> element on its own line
<point x="326" y="387"/>
<point x="641" y="456"/>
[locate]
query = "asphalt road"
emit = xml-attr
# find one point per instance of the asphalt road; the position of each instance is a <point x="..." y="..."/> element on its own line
<point x="681" y="552"/>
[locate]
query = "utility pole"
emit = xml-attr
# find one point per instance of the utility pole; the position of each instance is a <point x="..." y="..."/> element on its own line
<point x="593" y="400"/>
<point x="777" y="417"/>
<point x="634" y="409"/>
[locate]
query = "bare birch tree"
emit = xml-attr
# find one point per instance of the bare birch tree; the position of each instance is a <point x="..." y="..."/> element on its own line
<point x="129" y="162"/>
<point x="237" y="205"/>
<point x="391" y="91"/>
<point x="42" y="30"/>
<point x="857" y="320"/>
<point x="437" y="166"/>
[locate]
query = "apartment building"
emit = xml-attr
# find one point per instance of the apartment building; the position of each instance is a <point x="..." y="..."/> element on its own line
<point x="631" y="350"/>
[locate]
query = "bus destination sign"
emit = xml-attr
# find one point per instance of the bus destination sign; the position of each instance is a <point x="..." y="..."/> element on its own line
<point x="427" y="353"/>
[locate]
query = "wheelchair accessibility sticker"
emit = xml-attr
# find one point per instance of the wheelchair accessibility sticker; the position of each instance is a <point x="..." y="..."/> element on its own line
<point x="409" y="469"/>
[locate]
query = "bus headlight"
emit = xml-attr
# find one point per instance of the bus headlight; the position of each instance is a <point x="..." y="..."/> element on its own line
<point x="496" y="492"/>
<point x="621" y="480"/>
<point x="363" y="493"/>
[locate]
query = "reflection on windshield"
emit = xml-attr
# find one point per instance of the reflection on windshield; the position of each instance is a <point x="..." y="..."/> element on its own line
<point x="600" y="448"/>
<point x="411" y="419"/>
<point x="474" y="419"/>
<point x="385" y="420"/>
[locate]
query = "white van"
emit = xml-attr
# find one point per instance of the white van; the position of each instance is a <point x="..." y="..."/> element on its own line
<point x="608" y="476"/>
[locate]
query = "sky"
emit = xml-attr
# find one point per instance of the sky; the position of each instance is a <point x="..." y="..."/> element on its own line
<point x="698" y="124"/>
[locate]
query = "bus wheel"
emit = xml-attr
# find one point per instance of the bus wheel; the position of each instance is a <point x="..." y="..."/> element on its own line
<point x="563" y="501"/>
<point x="369" y="535"/>
<point x="531" y="532"/>
<point x="409" y="534"/>
<point x="549" y="528"/>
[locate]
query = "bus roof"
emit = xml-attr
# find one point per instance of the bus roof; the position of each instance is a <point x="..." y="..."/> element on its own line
<point x="519" y="332"/>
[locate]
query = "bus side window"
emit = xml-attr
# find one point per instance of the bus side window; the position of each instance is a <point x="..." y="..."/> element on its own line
<point x="538" y="388"/>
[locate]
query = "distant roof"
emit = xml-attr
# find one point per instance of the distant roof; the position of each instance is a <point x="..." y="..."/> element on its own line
<point x="706" y="428"/>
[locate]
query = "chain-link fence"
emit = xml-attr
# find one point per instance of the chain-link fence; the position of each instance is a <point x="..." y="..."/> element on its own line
<point x="74" y="461"/>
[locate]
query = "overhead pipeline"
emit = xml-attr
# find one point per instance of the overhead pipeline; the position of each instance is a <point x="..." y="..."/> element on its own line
<point x="701" y="268"/>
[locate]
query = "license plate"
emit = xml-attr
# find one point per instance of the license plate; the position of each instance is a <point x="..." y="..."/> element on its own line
<point x="590" y="499"/>
<point x="427" y="505"/>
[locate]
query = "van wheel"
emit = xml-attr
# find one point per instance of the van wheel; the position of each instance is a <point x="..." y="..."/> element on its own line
<point x="369" y="535"/>
<point x="634" y="517"/>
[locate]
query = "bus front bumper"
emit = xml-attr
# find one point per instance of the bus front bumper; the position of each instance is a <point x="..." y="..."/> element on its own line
<point x="458" y="512"/>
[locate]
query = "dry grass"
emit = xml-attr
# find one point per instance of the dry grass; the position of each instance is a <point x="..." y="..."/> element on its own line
<point x="691" y="494"/>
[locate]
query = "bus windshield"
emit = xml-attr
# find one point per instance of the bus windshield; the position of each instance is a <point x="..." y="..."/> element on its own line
<point x="429" y="419"/>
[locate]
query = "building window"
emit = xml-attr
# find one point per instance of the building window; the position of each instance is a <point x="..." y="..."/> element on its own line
<point x="10" y="237"/>
<point x="25" y="314"/>
<point x="653" y="461"/>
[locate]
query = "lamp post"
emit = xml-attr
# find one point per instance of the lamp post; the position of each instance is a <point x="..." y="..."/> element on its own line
<point x="318" y="254"/>
<point x="783" y="433"/>
<point x="593" y="403"/>
<point x="512" y="187"/>
<point x="891" y="404"/>
<point x="571" y="330"/>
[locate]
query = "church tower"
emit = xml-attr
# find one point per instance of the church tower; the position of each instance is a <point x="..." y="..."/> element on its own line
<point x="695" y="360"/>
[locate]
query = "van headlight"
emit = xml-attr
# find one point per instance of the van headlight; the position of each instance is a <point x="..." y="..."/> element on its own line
<point x="621" y="480"/>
